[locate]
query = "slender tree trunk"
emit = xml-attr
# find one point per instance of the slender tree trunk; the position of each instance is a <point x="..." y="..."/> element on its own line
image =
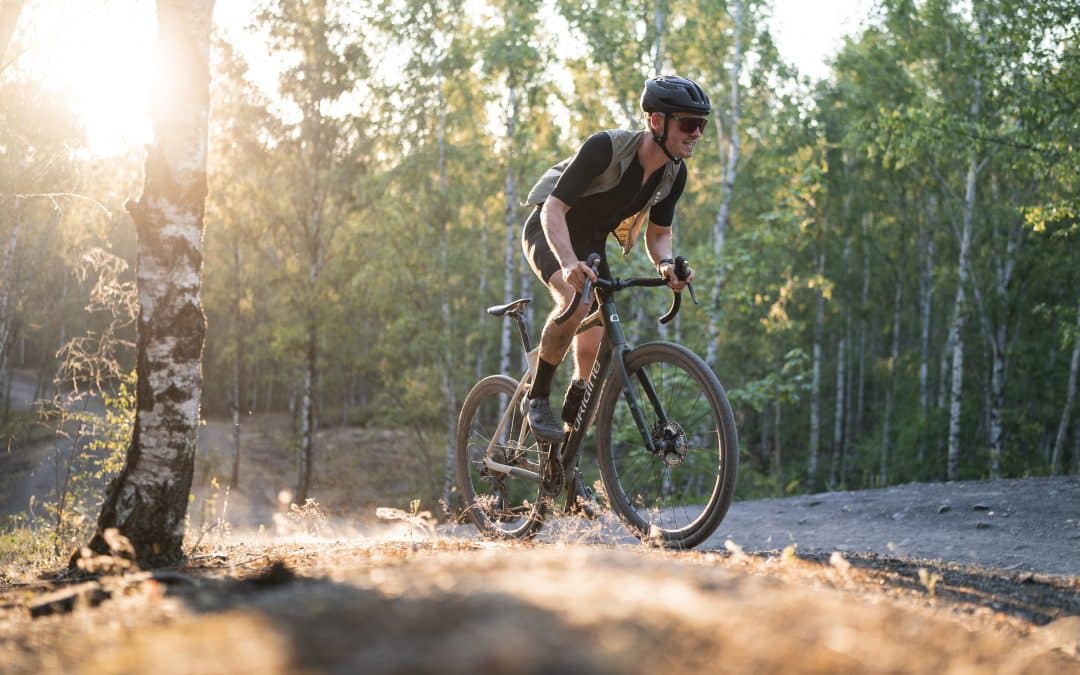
<point x="778" y="467"/>
<point x="1066" y="410"/>
<point x="148" y="499"/>
<point x="308" y="419"/>
<point x="238" y="348"/>
<point x="849" y="384"/>
<point x="483" y="293"/>
<point x="838" y="414"/>
<point x="449" y="365"/>
<point x="659" y="15"/>
<point x="864" y="308"/>
<point x="886" y="430"/>
<point x="510" y="222"/>
<point x="815" y="382"/>
<point x="7" y="281"/>
<point x="926" y="293"/>
<point x="957" y="332"/>
<point x="723" y="216"/>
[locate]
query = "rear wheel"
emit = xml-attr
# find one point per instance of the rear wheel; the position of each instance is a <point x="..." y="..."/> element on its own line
<point x="678" y="495"/>
<point x="500" y="505"/>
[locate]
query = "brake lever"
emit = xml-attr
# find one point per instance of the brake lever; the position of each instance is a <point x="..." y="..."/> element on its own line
<point x="593" y="261"/>
<point x="682" y="270"/>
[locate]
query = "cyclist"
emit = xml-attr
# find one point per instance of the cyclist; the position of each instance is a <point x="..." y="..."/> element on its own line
<point x="618" y="180"/>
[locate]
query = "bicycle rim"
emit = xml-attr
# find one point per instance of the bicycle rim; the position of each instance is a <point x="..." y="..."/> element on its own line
<point x="498" y="504"/>
<point x="678" y="502"/>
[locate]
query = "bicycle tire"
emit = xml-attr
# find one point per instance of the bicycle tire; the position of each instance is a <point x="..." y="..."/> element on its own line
<point x="500" y="505"/>
<point x="651" y="498"/>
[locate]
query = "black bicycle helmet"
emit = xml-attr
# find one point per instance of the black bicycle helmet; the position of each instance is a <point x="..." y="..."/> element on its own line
<point x="672" y="94"/>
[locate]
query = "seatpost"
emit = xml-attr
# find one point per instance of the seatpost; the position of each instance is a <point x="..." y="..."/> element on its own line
<point x="524" y="333"/>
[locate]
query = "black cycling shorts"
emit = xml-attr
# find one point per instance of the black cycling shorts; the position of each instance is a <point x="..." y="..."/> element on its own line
<point x="543" y="262"/>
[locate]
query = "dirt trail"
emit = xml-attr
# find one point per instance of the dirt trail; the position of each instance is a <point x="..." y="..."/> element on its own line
<point x="466" y="607"/>
<point x="972" y="577"/>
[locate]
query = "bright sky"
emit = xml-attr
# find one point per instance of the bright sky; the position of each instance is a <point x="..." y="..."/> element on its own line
<point x="99" y="52"/>
<point x="808" y="32"/>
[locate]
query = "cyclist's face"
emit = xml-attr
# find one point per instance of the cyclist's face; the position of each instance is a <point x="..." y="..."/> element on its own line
<point x="684" y="130"/>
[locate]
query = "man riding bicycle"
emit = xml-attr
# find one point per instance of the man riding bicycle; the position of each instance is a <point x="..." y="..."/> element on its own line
<point x="617" y="181"/>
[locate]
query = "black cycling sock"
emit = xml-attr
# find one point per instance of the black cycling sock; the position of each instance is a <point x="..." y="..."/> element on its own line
<point x="541" y="385"/>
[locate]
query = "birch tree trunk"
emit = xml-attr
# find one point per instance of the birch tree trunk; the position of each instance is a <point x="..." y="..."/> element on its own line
<point x="7" y="280"/>
<point x="957" y="330"/>
<point x="1066" y="411"/>
<point x="147" y="501"/>
<point x="961" y="299"/>
<point x="723" y="216"/>
<point x="996" y="333"/>
<point x="815" y="383"/>
<point x="863" y="309"/>
<point x="886" y="430"/>
<point x="838" y="414"/>
<point x="449" y="366"/>
<point x="509" y="209"/>
<point x="238" y="348"/>
<point x="308" y="421"/>
<point x="926" y="294"/>
<point x="659" y="15"/>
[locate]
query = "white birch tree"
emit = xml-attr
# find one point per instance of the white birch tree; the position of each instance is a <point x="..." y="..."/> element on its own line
<point x="148" y="500"/>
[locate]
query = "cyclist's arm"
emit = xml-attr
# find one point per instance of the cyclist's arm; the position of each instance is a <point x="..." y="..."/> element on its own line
<point x="658" y="242"/>
<point x="553" y="220"/>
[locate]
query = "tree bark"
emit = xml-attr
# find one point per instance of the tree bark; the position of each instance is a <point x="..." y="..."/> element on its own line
<point x="957" y="331"/>
<point x="1066" y="411"/>
<point x="815" y="382"/>
<point x="723" y="216"/>
<point x="778" y="468"/>
<point x="886" y="430"/>
<point x="308" y="419"/>
<point x="509" y="209"/>
<point x="926" y="294"/>
<point x="237" y="370"/>
<point x="961" y="299"/>
<point x="147" y="501"/>
<point x="864" y="309"/>
<point x="7" y="281"/>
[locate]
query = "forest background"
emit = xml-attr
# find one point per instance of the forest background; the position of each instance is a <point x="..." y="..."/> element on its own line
<point x="887" y="257"/>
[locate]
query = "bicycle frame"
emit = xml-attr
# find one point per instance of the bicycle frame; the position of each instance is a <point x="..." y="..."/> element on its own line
<point x="613" y="343"/>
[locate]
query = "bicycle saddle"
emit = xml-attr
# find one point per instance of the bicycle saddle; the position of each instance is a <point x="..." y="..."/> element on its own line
<point x="511" y="308"/>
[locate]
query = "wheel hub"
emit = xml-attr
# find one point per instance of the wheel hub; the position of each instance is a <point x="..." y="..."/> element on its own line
<point x="670" y="442"/>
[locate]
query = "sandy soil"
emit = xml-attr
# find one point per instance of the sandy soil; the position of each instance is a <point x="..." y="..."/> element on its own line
<point x="450" y="606"/>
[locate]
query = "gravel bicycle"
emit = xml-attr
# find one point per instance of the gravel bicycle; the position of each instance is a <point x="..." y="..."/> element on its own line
<point x="666" y="442"/>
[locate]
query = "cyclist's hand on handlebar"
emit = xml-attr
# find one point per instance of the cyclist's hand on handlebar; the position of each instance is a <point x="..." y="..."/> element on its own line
<point x="576" y="273"/>
<point x="667" y="271"/>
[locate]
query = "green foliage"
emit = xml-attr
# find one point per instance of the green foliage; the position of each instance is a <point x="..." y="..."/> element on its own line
<point x="367" y="202"/>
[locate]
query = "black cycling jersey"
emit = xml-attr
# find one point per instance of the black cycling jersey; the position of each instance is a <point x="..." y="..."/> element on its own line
<point x="605" y="210"/>
<point x="591" y="219"/>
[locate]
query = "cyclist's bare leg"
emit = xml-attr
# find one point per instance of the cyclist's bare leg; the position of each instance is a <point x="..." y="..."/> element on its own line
<point x="555" y="340"/>
<point x="586" y="344"/>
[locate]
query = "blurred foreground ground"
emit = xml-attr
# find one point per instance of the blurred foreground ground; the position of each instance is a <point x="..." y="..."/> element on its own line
<point x="404" y="603"/>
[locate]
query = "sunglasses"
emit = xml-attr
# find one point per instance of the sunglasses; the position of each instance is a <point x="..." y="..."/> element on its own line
<point x="689" y="125"/>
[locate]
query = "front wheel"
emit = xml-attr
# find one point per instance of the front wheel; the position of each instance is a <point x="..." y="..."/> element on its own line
<point x="678" y="495"/>
<point x="500" y="505"/>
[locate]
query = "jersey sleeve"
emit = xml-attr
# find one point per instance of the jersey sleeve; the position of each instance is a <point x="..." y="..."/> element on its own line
<point x="663" y="212"/>
<point x="591" y="160"/>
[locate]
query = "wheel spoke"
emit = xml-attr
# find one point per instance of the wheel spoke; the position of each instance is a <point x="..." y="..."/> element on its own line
<point x="676" y="496"/>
